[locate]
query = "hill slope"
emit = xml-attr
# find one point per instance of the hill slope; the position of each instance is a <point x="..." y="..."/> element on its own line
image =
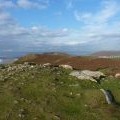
<point x="106" y="53"/>
<point x="49" y="93"/>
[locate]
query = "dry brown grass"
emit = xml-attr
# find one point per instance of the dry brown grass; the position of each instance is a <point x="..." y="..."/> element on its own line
<point x="111" y="66"/>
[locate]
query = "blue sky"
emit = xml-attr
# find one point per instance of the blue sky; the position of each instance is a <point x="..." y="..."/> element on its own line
<point x="58" y="25"/>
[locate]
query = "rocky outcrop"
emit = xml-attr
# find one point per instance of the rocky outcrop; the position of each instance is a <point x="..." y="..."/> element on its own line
<point x="88" y="75"/>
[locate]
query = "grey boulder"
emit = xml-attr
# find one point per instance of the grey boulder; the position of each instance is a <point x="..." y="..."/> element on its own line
<point x="88" y="75"/>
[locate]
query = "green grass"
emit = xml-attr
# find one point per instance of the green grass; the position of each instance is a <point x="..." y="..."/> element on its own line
<point x="51" y="94"/>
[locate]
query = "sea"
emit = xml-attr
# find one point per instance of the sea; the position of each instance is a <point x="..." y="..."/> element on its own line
<point x="6" y="58"/>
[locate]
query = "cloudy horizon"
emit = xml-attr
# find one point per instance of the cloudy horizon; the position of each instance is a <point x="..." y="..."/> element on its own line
<point x="54" y="25"/>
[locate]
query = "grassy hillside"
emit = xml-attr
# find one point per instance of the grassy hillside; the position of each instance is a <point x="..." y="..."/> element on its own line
<point x="50" y="93"/>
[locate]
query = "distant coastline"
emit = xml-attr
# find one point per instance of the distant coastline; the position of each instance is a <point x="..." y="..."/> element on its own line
<point x="1" y="60"/>
<point x="7" y="61"/>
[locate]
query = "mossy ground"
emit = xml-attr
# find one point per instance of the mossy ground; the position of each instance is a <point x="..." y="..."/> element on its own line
<point x="51" y="94"/>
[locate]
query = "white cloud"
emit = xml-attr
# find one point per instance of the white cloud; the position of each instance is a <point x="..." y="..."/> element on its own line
<point x="97" y="28"/>
<point x="10" y="28"/>
<point x="26" y="4"/>
<point x="4" y="16"/>
<point x="6" y="4"/>
<point x="33" y="4"/>
<point x="108" y="10"/>
<point x="69" y="4"/>
<point x="100" y="25"/>
<point x="22" y="38"/>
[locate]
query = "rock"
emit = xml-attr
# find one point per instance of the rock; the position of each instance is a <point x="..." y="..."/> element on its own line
<point x="21" y="110"/>
<point x="117" y="75"/>
<point x="16" y="102"/>
<point x="71" y="93"/>
<point x="31" y="66"/>
<point x="86" y="105"/>
<point x="21" y="83"/>
<point x="110" y="76"/>
<point x="66" y="67"/>
<point x="88" y="75"/>
<point x="78" y="94"/>
<point x="108" y="95"/>
<point x="22" y="113"/>
<point x="47" y="65"/>
<point x="56" y="117"/>
<point x="22" y="99"/>
<point x="35" y="118"/>
<point x="94" y="74"/>
<point x="21" y="116"/>
<point x="82" y="76"/>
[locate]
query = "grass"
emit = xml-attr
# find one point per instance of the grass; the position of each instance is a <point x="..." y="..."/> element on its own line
<point x="51" y="94"/>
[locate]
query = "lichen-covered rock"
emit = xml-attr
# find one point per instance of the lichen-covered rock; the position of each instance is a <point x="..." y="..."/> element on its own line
<point x="94" y="74"/>
<point x="88" y="75"/>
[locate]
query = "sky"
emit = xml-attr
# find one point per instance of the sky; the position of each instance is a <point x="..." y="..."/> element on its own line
<point x="74" y="26"/>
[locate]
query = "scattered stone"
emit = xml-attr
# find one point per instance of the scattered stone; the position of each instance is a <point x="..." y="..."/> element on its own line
<point x="22" y="113"/>
<point x="22" y="99"/>
<point x="117" y="75"/>
<point x="66" y="67"/>
<point x="71" y="93"/>
<point x="110" y="76"/>
<point x="78" y="94"/>
<point x="21" y="110"/>
<point x="47" y="65"/>
<point x="54" y="89"/>
<point x="57" y="117"/>
<point x="85" y="105"/>
<point x="31" y="66"/>
<point x="35" y="118"/>
<point x="21" y="83"/>
<point x="61" y="82"/>
<point x="21" y="116"/>
<point x="16" y="102"/>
